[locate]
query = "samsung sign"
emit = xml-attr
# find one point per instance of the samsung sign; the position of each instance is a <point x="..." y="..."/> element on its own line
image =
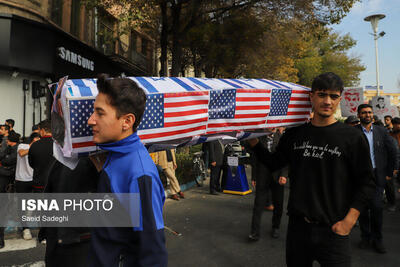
<point x="76" y="59"/>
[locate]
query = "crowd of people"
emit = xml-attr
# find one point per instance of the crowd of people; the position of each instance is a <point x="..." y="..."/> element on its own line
<point x="24" y="162"/>
<point x="338" y="175"/>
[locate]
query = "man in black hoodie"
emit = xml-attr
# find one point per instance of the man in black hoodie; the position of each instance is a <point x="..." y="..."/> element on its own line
<point x="8" y="160"/>
<point x="41" y="157"/>
<point x="331" y="179"/>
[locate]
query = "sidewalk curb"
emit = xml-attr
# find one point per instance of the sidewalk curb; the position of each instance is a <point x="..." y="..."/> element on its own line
<point x="15" y="233"/>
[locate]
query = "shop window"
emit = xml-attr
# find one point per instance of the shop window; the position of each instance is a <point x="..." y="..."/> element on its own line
<point x="75" y="17"/>
<point x="56" y="11"/>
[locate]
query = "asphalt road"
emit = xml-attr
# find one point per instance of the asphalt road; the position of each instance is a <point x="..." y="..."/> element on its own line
<point x="215" y="228"/>
<point x="213" y="232"/>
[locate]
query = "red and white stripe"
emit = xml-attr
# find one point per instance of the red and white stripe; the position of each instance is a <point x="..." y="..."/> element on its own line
<point x="185" y="115"/>
<point x="298" y="111"/>
<point x="252" y="108"/>
<point x="83" y="144"/>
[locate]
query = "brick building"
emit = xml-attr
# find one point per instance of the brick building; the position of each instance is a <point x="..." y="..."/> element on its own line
<point x="44" y="40"/>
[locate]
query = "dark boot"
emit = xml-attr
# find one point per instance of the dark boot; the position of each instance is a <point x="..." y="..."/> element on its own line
<point x="378" y="246"/>
<point x="275" y="233"/>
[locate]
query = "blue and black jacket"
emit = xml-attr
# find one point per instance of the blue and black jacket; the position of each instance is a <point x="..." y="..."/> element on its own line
<point x="130" y="169"/>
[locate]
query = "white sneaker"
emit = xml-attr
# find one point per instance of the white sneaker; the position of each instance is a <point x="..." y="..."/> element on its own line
<point x="26" y="234"/>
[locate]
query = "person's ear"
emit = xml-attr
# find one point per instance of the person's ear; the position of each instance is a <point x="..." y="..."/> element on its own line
<point x="128" y="121"/>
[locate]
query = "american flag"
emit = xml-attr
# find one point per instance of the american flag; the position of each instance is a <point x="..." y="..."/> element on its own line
<point x="237" y="109"/>
<point x="172" y="116"/>
<point x="288" y="107"/>
<point x="81" y="132"/>
<point x="190" y="110"/>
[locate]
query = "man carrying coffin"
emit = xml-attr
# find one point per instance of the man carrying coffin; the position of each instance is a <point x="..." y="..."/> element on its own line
<point x="331" y="179"/>
<point x="118" y="109"/>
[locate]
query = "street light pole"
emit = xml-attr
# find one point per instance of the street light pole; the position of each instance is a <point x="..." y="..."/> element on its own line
<point x="376" y="64"/>
<point x="374" y="19"/>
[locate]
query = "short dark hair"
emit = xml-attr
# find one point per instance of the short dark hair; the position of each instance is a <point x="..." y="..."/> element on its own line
<point x="35" y="127"/>
<point x="11" y="122"/>
<point x="388" y="116"/>
<point x="380" y="98"/>
<point x="124" y="95"/>
<point x="360" y="107"/>
<point x="327" y="81"/>
<point x="45" y="125"/>
<point x="33" y="136"/>
<point x="6" y="127"/>
<point x="396" y="120"/>
<point x="14" y="137"/>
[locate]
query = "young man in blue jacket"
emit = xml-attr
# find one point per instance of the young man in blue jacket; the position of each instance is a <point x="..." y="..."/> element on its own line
<point x="128" y="168"/>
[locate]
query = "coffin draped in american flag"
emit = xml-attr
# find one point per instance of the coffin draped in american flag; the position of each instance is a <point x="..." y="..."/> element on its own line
<point x="188" y="111"/>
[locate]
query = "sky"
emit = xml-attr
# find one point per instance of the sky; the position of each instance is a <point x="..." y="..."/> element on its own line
<point x="388" y="46"/>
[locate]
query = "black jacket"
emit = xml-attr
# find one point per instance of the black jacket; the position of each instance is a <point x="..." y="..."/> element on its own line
<point x="83" y="179"/>
<point x="41" y="160"/>
<point x="8" y="160"/>
<point x="215" y="153"/>
<point x="259" y="169"/>
<point x="385" y="152"/>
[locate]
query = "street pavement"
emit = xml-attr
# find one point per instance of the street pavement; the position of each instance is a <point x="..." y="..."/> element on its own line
<point x="214" y="232"/>
<point x="208" y="230"/>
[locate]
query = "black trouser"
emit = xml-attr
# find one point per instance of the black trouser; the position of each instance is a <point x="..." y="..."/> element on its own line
<point x="307" y="242"/>
<point x="23" y="187"/>
<point x="371" y="219"/>
<point x="37" y="189"/>
<point x="4" y="181"/>
<point x="70" y="255"/>
<point x="263" y="184"/>
<point x="277" y="200"/>
<point x="214" y="178"/>
<point x="390" y="192"/>
<point x="268" y="202"/>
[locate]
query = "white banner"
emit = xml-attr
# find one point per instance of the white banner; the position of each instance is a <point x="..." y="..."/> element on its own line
<point x="352" y="97"/>
<point x="381" y="106"/>
<point x="394" y="111"/>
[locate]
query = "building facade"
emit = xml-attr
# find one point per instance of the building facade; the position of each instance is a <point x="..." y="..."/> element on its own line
<point x="394" y="97"/>
<point x="44" y="40"/>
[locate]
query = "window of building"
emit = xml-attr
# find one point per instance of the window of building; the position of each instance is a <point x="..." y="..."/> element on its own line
<point x="134" y="41"/>
<point x="105" y="33"/>
<point x="56" y="11"/>
<point x="88" y="27"/>
<point x="75" y="17"/>
<point x="144" y="46"/>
